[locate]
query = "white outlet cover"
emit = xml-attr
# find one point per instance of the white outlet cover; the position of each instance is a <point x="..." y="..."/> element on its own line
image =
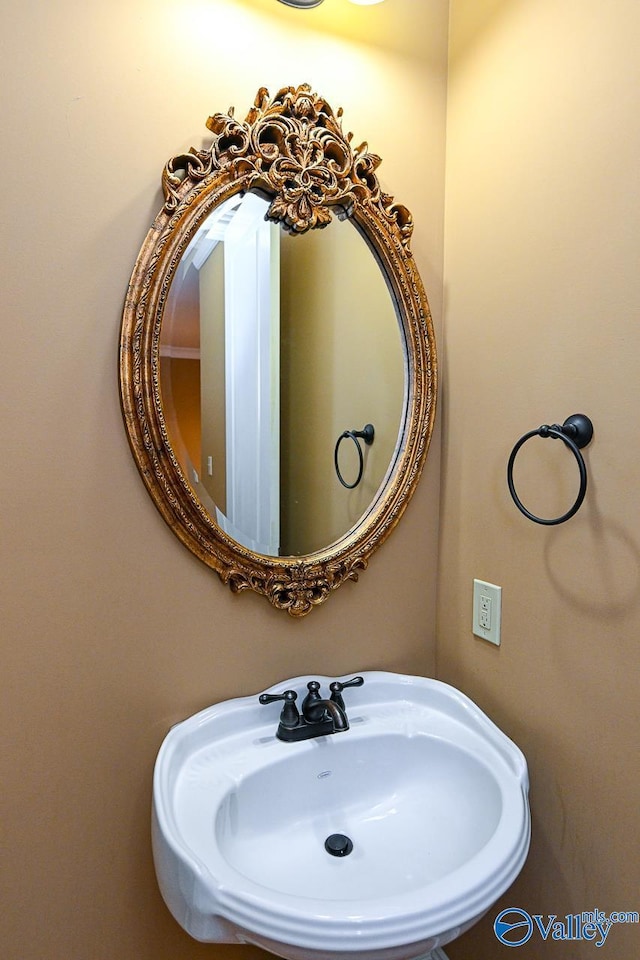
<point x="487" y="600"/>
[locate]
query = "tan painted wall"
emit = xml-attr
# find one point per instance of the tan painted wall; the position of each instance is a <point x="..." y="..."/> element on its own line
<point x="111" y="630"/>
<point x="542" y="293"/>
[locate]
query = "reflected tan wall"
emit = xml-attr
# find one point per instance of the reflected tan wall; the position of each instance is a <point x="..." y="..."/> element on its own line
<point x="542" y="294"/>
<point x="342" y="367"/>
<point x="180" y="379"/>
<point x="180" y="372"/>
<point x="111" y="630"/>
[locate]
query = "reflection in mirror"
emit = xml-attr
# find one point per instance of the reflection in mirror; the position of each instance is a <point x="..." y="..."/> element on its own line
<point x="272" y="345"/>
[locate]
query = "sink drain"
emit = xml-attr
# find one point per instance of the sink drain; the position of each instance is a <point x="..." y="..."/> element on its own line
<point x="338" y="845"/>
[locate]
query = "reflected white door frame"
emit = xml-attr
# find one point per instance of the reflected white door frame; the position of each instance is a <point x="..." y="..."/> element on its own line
<point x="252" y="375"/>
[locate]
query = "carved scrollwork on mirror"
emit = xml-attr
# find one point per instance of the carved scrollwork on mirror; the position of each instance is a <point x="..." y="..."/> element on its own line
<point x="226" y="414"/>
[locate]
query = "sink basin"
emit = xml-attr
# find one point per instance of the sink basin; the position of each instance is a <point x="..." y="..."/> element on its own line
<point x="429" y="792"/>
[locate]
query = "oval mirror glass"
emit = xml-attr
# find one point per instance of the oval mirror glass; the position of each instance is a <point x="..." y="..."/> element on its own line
<point x="273" y="346"/>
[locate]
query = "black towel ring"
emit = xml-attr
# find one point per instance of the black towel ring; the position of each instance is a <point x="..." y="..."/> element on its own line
<point x="367" y="434"/>
<point x="576" y="432"/>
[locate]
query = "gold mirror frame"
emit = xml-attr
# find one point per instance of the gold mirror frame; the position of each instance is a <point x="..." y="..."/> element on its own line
<point x="291" y="149"/>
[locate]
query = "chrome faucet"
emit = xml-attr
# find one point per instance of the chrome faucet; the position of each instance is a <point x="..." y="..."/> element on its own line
<point x="319" y="717"/>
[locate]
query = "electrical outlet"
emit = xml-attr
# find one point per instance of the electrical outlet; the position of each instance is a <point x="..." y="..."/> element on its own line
<point x="487" y="604"/>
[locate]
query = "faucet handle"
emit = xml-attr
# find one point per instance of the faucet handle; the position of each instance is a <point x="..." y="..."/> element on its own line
<point x="289" y="716"/>
<point x="338" y="686"/>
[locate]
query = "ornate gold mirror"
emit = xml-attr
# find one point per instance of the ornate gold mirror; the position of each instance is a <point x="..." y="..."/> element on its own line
<point x="277" y="359"/>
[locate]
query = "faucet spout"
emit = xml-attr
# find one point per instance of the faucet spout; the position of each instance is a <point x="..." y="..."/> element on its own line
<point x="336" y="713"/>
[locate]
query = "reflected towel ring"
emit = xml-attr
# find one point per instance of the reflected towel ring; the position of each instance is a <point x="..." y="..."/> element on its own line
<point x="367" y="434"/>
<point x="576" y="432"/>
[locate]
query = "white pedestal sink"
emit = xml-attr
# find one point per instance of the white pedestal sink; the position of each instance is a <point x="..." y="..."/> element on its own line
<point x="431" y="794"/>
